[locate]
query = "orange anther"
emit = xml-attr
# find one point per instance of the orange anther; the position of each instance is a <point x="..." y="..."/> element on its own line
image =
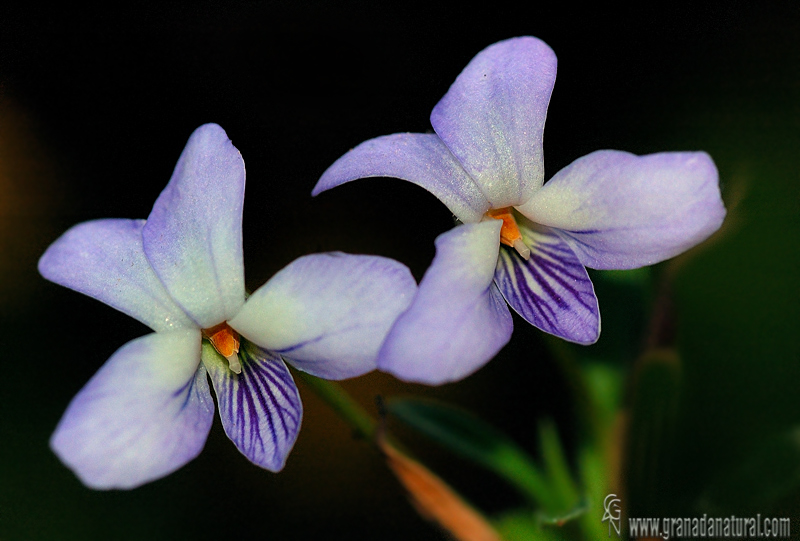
<point x="509" y="232"/>
<point x="224" y="339"/>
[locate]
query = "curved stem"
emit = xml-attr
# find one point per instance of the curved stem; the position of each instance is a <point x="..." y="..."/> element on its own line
<point x="343" y="404"/>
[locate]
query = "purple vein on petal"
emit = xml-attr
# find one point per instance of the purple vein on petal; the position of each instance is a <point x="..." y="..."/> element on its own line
<point x="551" y="290"/>
<point x="260" y="408"/>
<point x="189" y="389"/>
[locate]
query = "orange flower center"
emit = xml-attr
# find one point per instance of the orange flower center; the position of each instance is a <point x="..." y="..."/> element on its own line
<point x="226" y="341"/>
<point x="510" y="234"/>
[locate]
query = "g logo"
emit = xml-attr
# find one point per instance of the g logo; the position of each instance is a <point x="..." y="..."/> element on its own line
<point x="612" y="514"/>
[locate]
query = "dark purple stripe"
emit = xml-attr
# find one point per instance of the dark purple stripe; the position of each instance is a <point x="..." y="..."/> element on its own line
<point x="268" y="374"/>
<point x="552" y="268"/>
<point x="265" y="391"/>
<point x="280" y="387"/>
<point x="534" y="270"/>
<point x="551" y="260"/>
<point x="274" y="375"/>
<point x="251" y="380"/>
<point x="187" y="387"/>
<point x="535" y="310"/>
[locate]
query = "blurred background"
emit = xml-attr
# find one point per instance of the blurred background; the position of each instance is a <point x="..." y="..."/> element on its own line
<point x="96" y="106"/>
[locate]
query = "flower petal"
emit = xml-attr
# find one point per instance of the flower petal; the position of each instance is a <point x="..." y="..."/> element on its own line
<point x="328" y="314"/>
<point x="193" y="236"/>
<point x="621" y="211"/>
<point x="551" y="290"/>
<point x="260" y="408"/>
<point x="458" y="320"/>
<point x="492" y="118"/>
<point x="105" y="260"/>
<point x="146" y="413"/>
<point x="420" y="158"/>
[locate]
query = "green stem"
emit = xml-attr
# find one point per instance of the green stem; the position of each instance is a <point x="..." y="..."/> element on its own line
<point x="592" y="460"/>
<point x="343" y="404"/>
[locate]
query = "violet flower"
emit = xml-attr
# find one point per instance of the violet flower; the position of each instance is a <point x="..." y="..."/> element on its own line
<point x="148" y="410"/>
<point x="606" y="210"/>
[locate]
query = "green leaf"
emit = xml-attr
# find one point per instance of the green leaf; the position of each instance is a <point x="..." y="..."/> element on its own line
<point x="557" y="469"/>
<point x="474" y="439"/>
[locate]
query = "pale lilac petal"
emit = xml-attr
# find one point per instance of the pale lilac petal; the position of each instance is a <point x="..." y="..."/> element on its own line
<point x="146" y="413"/>
<point x="328" y="314"/>
<point x="416" y="157"/>
<point x="105" y="260"/>
<point x="458" y="320"/>
<point x="551" y="290"/>
<point x="492" y="118"/>
<point x="621" y="211"/>
<point x="193" y="236"/>
<point x="260" y="408"/>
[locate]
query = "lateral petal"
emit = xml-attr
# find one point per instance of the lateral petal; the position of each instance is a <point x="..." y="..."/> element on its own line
<point x="621" y="211"/>
<point x="420" y="158"/>
<point x="458" y="320"/>
<point x="193" y="236"/>
<point x="551" y="290"/>
<point x="105" y="260"/>
<point x="493" y="116"/>
<point x="260" y="408"/>
<point x="143" y="415"/>
<point x="328" y="314"/>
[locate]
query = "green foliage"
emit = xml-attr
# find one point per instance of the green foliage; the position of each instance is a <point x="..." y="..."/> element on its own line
<point x="551" y="487"/>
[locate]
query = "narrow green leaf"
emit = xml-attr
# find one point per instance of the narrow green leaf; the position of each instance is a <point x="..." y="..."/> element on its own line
<point x="474" y="439"/>
<point x="594" y="476"/>
<point x="557" y="468"/>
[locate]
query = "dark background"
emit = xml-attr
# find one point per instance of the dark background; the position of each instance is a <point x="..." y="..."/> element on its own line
<point x="96" y="106"/>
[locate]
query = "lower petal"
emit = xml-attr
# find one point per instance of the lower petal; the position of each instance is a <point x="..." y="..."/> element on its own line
<point x="551" y="290"/>
<point x="458" y="320"/>
<point x="146" y="413"/>
<point x="260" y="408"/>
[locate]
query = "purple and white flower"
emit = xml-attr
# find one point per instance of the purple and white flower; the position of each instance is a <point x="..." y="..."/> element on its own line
<point x="606" y="210"/>
<point x="148" y="410"/>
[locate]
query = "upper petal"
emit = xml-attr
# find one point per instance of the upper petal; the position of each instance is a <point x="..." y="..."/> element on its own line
<point x="146" y="413"/>
<point x="492" y="118"/>
<point x="193" y="236"/>
<point x="458" y="320"/>
<point x="420" y="158"/>
<point x="621" y="211"/>
<point x="328" y="314"/>
<point x="105" y="260"/>
<point x="260" y="408"/>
